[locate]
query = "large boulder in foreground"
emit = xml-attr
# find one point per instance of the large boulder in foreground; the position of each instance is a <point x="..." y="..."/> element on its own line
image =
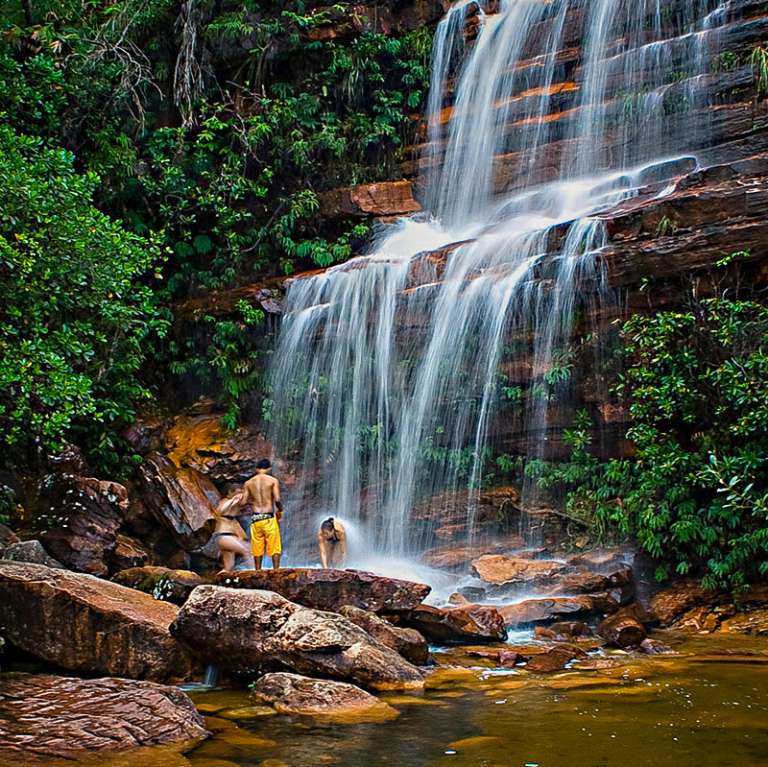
<point x="295" y="694"/>
<point x="86" y="624"/>
<point x="331" y="589"/>
<point x="466" y="623"/>
<point x="53" y="717"/>
<point x="408" y="642"/>
<point x="248" y="631"/>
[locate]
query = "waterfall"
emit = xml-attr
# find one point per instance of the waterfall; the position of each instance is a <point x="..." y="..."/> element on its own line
<point x="389" y="368"/>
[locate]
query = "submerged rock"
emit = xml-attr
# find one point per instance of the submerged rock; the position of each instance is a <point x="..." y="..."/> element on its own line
<point x="465" y="623"/>
<point x="408" y="642"/>
<point x="295" y="694"/>
<point x="246" y="631"/>
<point x="553" y="658"/>
<point x="161" y="582"/>
<point x="86" y="624"/>
<point x="53" y="717"/>
<point x="30" y="551"/>
<point x="331" y="589"/>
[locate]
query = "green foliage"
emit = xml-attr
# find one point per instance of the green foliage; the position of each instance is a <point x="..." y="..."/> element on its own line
<point x="75" y="322"/>
<point x="759" y="61"/>
<point x="696" y="493"/>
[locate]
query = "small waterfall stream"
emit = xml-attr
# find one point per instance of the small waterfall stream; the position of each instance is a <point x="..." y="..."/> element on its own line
<point x="389" y="367"/>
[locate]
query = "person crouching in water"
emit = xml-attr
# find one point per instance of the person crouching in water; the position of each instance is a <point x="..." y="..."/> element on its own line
<point x="332" y="540"/>
<point x="263" y="493"/>
<point x="229" y="532"/>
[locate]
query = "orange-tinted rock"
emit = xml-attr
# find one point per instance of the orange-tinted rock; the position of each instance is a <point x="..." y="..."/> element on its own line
<point x="326" y="589"/>
<point x="80" y="520"/>
<point x="622" y="629"/>
<point x="467" y="623"/>
<point x="295" y="694"/>
<point x="128" y="552"/>
<point x="551" y="609"/>
<point x="459" y="557"/>
<point x="501" y="570"/>
<point x="670" y="603"/>
<point x="385" y="198"/>
<point x="52" y="717"/>
<point x="86" y="624"/>
<point x="601" y="560"/>
<point x="554" y="659"/>
<point x="182" y="500"/>
<point x="161" y="582"/>
<point x="407" y="642"/>
<point x="563" y="630"/>
<point x="247" y="630"/>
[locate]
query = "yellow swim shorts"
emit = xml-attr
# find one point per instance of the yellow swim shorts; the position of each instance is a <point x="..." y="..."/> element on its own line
<point x="265" y="537"/>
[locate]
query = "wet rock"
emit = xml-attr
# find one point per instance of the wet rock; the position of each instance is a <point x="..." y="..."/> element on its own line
<point x="601" y="560"/>
<point x="622" y="629"/>
<point x="473" y="593"/>
<point x="654" y="647"/>
<point x="128" y="552"/>
<point x="467" y="623"/>
<point x="161" y="582"/>
<point x="554" y="659"/>
<point x="245" y="631"/>
<point x="407" y="642"/>
<point x="563" y="630"/>
<point x="80" y="519"/>
<point x="182" y="500"/>
<point x="552" y="609"/>
<point x="294" y="694"/>
<point x="30" y="551"/>
<point x="331" y="589"/>
<point x="501" y="570"/>
<point x="385" y="198"/>
<point x="53" y="717"/>
<point x="670" y="603"/>
<point x="86" y="624"/>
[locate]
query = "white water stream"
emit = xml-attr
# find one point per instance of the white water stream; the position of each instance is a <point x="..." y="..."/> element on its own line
<point x="389" y="367"/>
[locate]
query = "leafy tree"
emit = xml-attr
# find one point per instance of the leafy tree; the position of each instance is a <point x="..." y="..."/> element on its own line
<point x="76" y="323"/>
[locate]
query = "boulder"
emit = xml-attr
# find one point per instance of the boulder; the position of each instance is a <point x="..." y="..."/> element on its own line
<point x="551" y="609"/>
<point x="502" y="570"/>
<point x="161" y="582"/>
<point x="384" y="198"/>
<point x="601" y="560"/>
<point x="554" y="658"/>
<point x="563" y="630"/>
<point x="247" y="630"/>
<point x="295" y="694"/>
<point x="465" y="623"/>
<point x="459" y="557"/>
<point x="180" y="499"/>
<point x="86" y="624"/>
<point x="670" y="603"/>
<point x="79" y="519"/>
<point x="32" y="552"/>
<point x="622" y="629"/>
<point x="128" y="552"/>
<point x="7" y="536"/>
<point x="331" y="589"/>
<point x="408" y="642"/>
<point x="654" y="647"/>
<point x="52" y="717"/>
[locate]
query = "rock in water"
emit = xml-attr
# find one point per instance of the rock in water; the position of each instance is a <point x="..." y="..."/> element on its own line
<point x="294" y="694"/>
<point x="549" y="609"/>
<point x="499" y="569"/>
<point x="49" y="717"/>
<point x="246" y="631"/>
<point x="408" y="642"/>
<point x="466" y="623"/>
<point x="622" y="629"/>
<point x="332" y="589"/>
<point x="83" y="623"/>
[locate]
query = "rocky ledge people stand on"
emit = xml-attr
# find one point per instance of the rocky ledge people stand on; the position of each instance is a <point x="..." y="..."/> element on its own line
<point x="262" y="491"/>
<point x="332" y="542"/>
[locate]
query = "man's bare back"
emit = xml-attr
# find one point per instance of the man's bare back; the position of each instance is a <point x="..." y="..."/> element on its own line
<point x="263" y="492"/>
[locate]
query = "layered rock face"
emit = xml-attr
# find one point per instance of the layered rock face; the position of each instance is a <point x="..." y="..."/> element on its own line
<point x="52" y="717"/>
<point x="87" y="624"/>
<point x="246" y="631"/>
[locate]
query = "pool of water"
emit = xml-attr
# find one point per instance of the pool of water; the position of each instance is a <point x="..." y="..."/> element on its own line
<point x="708" y="705"/>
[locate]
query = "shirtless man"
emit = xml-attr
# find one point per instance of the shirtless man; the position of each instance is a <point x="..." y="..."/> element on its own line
<point x="332" y="541"/>
<point x="263" y="493"/>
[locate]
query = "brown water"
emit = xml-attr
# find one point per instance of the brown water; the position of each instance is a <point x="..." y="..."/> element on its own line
<point x="706" y="707"/>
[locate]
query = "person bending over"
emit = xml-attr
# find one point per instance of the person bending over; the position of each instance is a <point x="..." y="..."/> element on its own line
<point x="332" y="541"/>
<point x="262" y="491"/>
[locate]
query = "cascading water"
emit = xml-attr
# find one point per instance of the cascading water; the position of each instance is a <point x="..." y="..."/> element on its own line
<point x="389" y="367"/>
